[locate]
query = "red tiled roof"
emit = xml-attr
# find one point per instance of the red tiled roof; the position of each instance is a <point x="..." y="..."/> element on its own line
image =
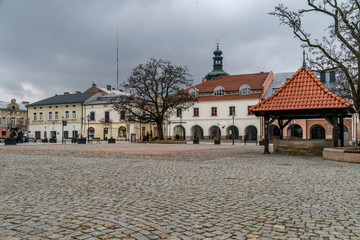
<point x="229" y="97"/>
<point x="303" y="91"/>
<point x="233" y="82"/>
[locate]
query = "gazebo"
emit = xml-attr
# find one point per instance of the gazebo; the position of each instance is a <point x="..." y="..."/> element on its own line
<point x="303" y="96"/>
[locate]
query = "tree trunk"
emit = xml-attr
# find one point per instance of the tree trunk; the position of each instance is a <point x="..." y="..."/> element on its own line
<point x="160" y="131"/>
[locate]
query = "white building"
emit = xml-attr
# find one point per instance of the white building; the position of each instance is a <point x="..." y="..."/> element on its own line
<point x="222" y="107"/>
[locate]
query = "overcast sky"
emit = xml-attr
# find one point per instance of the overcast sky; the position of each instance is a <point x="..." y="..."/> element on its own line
<point x="49" y="47"/>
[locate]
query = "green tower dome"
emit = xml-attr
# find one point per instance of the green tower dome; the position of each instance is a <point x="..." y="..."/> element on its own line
<point x="217" y="71"/>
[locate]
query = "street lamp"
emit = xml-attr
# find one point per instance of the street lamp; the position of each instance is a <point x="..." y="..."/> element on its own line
<point x="233" y="127"/>
<point x="88" y="120"/>
<point x="64" y="123"/>
<point x="181" y="127"/>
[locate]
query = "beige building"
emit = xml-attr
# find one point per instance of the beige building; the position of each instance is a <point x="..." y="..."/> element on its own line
<point x="103" y="122"/>
<point x="58" y="116"/>
<point x="12" y="118"/>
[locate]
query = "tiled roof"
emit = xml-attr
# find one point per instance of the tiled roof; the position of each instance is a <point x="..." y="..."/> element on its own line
<point x="64" y="99"/>
<point x="233" y="82"/>
<point x="229" y="97"/>
<point x="303" y="91"/>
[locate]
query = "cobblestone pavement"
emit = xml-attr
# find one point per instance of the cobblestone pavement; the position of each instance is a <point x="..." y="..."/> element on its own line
<point x="236" y="193"/>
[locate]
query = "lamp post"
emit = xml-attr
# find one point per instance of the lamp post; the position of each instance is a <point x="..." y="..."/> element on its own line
<point x="88" y="120"/>
<point x="62" y="129"/>
<point x="181" y="127"/>
<point x="233" y="127"/>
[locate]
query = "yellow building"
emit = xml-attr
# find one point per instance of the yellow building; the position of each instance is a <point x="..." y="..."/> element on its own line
<point x="58" y="116"/>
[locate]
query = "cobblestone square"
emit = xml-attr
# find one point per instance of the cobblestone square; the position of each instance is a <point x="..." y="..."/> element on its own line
<point x="215" y="193"/>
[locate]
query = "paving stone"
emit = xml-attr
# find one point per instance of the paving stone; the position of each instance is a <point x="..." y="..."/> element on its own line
<point x="187" y="195"/>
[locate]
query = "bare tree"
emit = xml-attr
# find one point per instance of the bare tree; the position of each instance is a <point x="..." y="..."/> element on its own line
<point x="156" y="91"/>
<point x="340" y="48"/>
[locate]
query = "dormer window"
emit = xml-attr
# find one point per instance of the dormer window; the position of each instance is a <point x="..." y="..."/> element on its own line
<point x="219" y="91"/>
<point x="193" y="92"/>
<point x="244" y="89"/>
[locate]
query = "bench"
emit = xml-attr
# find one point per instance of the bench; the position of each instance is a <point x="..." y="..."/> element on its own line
<point x="250" y="141"/>
<point x="32" y="139"/>
<point x="95" y="139"/>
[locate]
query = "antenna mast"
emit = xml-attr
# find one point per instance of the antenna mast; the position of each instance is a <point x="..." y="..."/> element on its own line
<point x="117" y="59"/>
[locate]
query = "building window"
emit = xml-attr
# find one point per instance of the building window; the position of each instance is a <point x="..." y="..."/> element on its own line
<point x="219" y="91"/>
<point x="40" y="116"/>
<point x="214" y="111"/>
<point x="232" y="110"/>
<point x="73" y="114"/>
<point x="178" y="112"/>
<point x="92" y="116"/>
<point x="35" y="116"/>
<point x="250" y="113"/>
<point x="107" y="117"/>
<point x="13" y="123"/>
<point x="67" y="115"/>
<point x="50" y="116"/>
<point x="196" y="112"/>
<point x="244" y="89"/>
<point x="56" y="115"/>
<point x="22" y="121"/>
<point x="193" y="92"/>
<point x="122" y="115"/>
<point x="3" y="121"/>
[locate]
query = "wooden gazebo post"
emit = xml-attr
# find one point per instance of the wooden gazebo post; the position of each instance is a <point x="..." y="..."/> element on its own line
<point x="266" y="134"/>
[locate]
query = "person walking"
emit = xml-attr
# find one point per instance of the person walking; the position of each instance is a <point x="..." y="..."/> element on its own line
<point x="148" y="137"/>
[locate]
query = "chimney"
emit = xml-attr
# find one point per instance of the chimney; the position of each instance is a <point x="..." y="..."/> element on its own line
<point x="25" y="103"/>
<point x="108" y="87"/>
<point x="77" y="92"/>
<point x="66" y="93"/>
<point x="204" y="80"/>
<point x="55" y="94"/>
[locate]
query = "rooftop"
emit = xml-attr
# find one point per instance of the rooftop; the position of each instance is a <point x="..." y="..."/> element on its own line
<point x="64" y="99"/>
<point x="303" y="91"/>
<point x="233" y="82"/>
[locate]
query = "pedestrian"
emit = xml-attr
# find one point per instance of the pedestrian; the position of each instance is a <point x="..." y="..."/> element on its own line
<point x="147" y="137"/>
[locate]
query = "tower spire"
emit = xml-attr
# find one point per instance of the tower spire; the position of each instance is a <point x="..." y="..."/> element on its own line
<point x="304" y="63"/>
<point x="217" y="64"/>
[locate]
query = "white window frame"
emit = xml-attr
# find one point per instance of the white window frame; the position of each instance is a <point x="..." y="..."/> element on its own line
<point x="67" y="115"/>
<point x="219" y="91"/>
<point x="50" y="115"/>
<point x="244" y="89"/>
<point x="3" y="121"/>
<point x="41" y="116"/>
<point x="34" y="116"/>
<point x="194" y="92"/>
<point x="73" y="114"/>
<point x="56" y="115"/>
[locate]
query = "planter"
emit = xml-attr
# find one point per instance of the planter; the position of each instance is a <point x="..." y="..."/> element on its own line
<point x="10" y="141"/>
<point x="81" y="141"/>
<point x="196" y="141"/>
<point x="53" y="140"/>
<point x="111" y="140"/>
<point x="44" y="141"/>
<point x="217" y="141"/>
